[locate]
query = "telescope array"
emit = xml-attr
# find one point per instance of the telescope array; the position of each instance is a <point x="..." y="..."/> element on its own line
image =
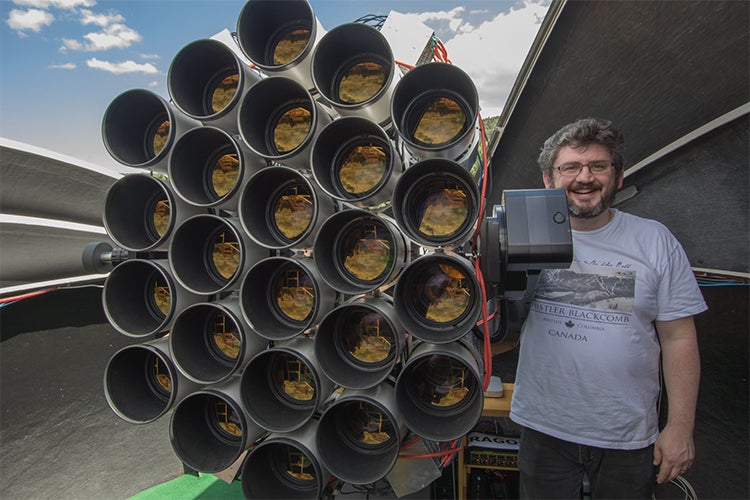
<point x="302" y="273"/>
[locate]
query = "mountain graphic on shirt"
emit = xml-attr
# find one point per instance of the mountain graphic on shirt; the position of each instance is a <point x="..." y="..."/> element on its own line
<point x="588" y="286"/>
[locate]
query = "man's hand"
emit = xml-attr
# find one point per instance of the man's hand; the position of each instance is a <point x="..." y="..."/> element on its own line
<point x="674" y="452"/>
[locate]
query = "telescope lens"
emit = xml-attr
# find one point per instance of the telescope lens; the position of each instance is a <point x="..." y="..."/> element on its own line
<point x="360" y="168"/>
<point x="223" y="337"/>
<point x="224" y="174"/>
<point x="224" y="420"/>
<point x="160" y="211"/>
<point x="293" y="209"/>
<point x="294" y="464"/>
<point x="158" y="377"/>
<point x="157" y="292"/>
<point x="360" y="81"/>
<point x="159" y="137"/>
<point x="291" y="129"/>
<point x="441" y="382"/>
<point x="443" y="208"/>
<point x="366" y="336"/>
<point x="290" y="45"/>
<point x="225" y="254"/>
<point x="364" y="425"/>
<point x="222" y="92"/>
<point x="441" y="293"/>
<point x="292" y="379"/>
<point x="366" y="250"/>
<point x="294" y="294"/>
<point x="440" y="121"/>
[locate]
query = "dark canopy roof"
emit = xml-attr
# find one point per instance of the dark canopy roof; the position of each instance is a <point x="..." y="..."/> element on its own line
<point x="673" y="77"/>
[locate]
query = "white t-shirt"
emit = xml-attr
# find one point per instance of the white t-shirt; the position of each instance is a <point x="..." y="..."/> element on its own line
<point x="588" y="369"/>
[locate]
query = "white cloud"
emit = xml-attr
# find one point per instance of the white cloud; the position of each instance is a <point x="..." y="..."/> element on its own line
<point x="63" y="66"/>
<point x="60" y="4"/>
<point x="153" y="84"/>
<point x="32" y="19"/>
<point x="121" y="67"/>
<point x="493" y="52"/>
<point x="116" y="36"/>
<point x="70" y="44"/>
<point x="150" y="56"/>
<point x="451" y="17"/>
<point x="89" y="17"/>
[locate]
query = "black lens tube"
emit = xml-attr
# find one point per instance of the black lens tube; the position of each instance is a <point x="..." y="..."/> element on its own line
<point x="209" y="254"/>
<point x="210" y="429"/>
<point x="283" y="386"/>
<point x="439" y="393"/>
<point x="280" y="41"/>
<point x="207" y="81"/>
<point x="359" y="435"/>
<point x="280" y="120"/>
<point x="141" y="297"/>
<point x="354" y="71"/>
<point x="360" y="342"/>
<point x="436" y="203"/>
<point x="281" y="208"/>
<point x="354" y="160"/>
<point x="140" y="127"/>
<point x="438" y="298"/>
<point x="142" y="383"/>
<point x="285" y="466"/>
<point x="282" y="297"/>
<point x="357" y="251"/>
<point x="210" y="342"/>
<point x="208" y="168"/>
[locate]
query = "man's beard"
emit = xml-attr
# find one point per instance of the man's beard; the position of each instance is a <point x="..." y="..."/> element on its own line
<point x="607" y="197"/>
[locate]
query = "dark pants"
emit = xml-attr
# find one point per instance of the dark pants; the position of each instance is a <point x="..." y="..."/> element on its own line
<point x="553" y="468"/>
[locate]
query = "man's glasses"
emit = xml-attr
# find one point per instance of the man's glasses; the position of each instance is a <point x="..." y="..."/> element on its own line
<point x="574" y="168"/>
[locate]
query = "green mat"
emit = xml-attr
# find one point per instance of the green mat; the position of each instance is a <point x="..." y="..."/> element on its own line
<point x="203" y="486"/>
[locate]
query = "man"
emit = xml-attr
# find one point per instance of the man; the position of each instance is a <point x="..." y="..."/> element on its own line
<point x="597" y="335"/>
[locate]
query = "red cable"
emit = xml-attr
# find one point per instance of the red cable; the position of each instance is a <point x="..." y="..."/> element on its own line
<point x="27" y="295"/>
<point x="409" y="66"/>
<point x="436" y="454"/>
<point x="487" y="350"/>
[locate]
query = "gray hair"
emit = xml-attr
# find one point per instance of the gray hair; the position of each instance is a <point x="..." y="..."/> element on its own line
<point x="581" y="133"/>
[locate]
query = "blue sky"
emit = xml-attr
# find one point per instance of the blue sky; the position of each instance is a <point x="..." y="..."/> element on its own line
<point x="62" y="62"/>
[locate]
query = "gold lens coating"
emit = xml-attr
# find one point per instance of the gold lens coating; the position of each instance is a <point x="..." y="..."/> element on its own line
<point x="226" y="336"/>
<point x="445" y="291"/>
<point x="443" y="382"/>
<point x="161" y="374"/>
<point x="362" y="168"/>
<point x="293" y="210"/>
<point x="226" y="254"/>
<point x="160" y="138"/>
<point x="361" y="82"/>
<point x="441" y="122"/>
<point x="293" y="377"/>
<point x="290" y="46"/>
<point x="160" y="216"/>
<point x="444" y="209"/>
<point x="161" y="295"/>
<point x="227" y="418"/>
<point x="368" y="337"/>
<point x="297" y="464"/>
<point x="291" y="129"/>
<point x="224" y="92"/>
<point x="366" y="424"/>
<point x="368" y="251"/>
<point x="294" y="293"/>
<point x="225" y="173"/>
